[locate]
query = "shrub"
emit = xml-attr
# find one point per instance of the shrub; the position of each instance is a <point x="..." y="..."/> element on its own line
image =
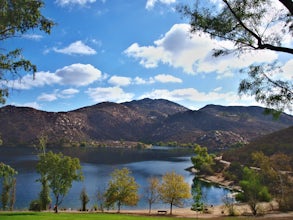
<point x="35" y="205"/>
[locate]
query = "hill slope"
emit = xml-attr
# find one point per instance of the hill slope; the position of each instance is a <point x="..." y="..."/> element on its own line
<point x="144" y="120"/>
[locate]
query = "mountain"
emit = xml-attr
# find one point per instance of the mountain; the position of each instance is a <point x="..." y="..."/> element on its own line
<point x="145" y="120"/>
<point x="277" y="142"/>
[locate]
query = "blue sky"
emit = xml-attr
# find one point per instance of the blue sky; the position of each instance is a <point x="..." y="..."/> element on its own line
<point x="117" y="51"/>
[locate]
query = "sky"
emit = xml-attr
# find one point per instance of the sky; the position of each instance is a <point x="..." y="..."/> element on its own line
<point x="123" y="50"/>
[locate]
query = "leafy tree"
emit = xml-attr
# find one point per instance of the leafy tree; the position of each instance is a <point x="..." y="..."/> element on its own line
<point x="274" y="174"/>
<point x="7" y="174"/>
<point x="202" y="161"/>
<point x="250" y="25"/>
<point x="174" y="190"/>
<point x="253" y="191"/>
<point x="44" y="195"/>
<point x="122" y="189"/>
<point x="84" y="199"/>
<point x="60" y="172"/>
<point x="197" y="197"/>
<point x="16" y="19"/>
<point x="151" y="191"/>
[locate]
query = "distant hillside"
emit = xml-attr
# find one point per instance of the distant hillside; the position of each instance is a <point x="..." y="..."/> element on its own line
<point x="146" y="120"/>
<point x="276" y="142"/>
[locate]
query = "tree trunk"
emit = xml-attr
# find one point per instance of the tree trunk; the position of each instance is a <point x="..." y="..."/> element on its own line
<point x="171" y="207"/>
<point x="56" y="204"/>
<point x="119" y="205"/>
<point x="150" y="207"/>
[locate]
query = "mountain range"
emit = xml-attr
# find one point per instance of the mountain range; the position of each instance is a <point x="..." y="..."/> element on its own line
<point x="146" y="120"/>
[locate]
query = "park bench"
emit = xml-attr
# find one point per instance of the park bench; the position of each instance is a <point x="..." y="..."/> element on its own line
<point x="162" y="212"/>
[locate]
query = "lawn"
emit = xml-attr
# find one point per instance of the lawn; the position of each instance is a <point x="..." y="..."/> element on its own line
<point x="80" y="216"/>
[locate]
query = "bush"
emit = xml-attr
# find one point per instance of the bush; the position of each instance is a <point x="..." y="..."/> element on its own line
<point x="35" y="205"/>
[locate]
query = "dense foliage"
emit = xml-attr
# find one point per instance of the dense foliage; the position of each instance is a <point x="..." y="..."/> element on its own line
<point x="122" y="189"/>
<point x="174" y="190"/>
<point x="16" y="19"/>
<point x="60" y="171"/>
<point x="250" y="26"/>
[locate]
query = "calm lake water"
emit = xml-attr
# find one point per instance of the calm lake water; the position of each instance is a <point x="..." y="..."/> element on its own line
<point x="97" y="165"/>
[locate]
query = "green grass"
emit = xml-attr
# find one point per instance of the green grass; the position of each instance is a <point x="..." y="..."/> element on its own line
<point x="80" y="216"/>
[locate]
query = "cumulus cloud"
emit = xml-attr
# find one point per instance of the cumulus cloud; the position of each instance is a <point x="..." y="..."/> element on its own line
<point x="78" y="74"/>
<point x="166" y="78"/>
<point x="57" y="94"/>
<point x="46" y="97"/>
<point x="193" y="53"/>
<point x="78" y="48"/>
<point x="36" y="37"/>
<point x="73" y="2"/>
<point x="114" y="94"/>
<point x="39" y="80"/>
<point x="151" y="3"/>
<point x="288" y="70"/>
<point x="190" y="94"/>
<point x="120" y="81"/>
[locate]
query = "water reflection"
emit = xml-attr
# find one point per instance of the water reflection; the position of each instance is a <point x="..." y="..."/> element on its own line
<point x="97" y="165"/>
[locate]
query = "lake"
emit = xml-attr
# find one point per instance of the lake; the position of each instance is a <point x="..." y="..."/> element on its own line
<point x="97" y="165"/>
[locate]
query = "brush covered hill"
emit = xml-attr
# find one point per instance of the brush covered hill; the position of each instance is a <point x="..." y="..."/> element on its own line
<point x="274" y="143"/>
<point x="146" y="120"/>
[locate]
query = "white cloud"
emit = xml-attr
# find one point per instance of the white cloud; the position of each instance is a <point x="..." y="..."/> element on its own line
<point x="73" y="2"/>
<point x="120" y="81"/>
<point x="190" y="94"/>
<point x="288" y="70"/>
<point x="193" y="53"/>
<point x="166" y="78"/>
<point x="75" y="74"/>
<point x="28" y="81"/>
<point x="78" y="48"/>
<point x="68" y="93"/>
<point x="151" y="3"/>
<point x="46" y="97"/>
<point x="78" y="74"/>
<point x="32" y="36"/>
<point x="114" y="94"/>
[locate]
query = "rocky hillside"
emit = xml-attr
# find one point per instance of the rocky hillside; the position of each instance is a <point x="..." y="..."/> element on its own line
<point x="146" y="120"/>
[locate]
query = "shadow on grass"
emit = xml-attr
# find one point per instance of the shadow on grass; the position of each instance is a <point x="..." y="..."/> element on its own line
<point x="17" y="213"/>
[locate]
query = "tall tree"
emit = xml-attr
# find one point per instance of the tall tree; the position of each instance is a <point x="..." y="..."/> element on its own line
<point x="151" y="191"/>
<point x="122" y="189"/>
<point x="60" y="171"/>
<point x="84" y="198"/>
<point x="251" y="25"/>
<point x="7" y="175"/>
<point x="16" y="19"/>
<point x="253" y="191"/>
<point x="44" y="195"/>
<point x="174" y="190"/>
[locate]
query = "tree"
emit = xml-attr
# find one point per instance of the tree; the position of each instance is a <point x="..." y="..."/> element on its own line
<point x="197" y="197"/>
<point x="250" y="25"/>
<point x="253" y="191"/>
<point x="122" y="189"/>
<point x="60" y="172"/>
<point x="174" y="190"/>
<point x="16" y="19"/>
<point x="151" y="191"/>
<point x="7" y="174"/>
<point x="202" y="161"/>
<point x="84" y="199"/>
<point x="274" y="174"/>
<point x="44" y="195"/>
